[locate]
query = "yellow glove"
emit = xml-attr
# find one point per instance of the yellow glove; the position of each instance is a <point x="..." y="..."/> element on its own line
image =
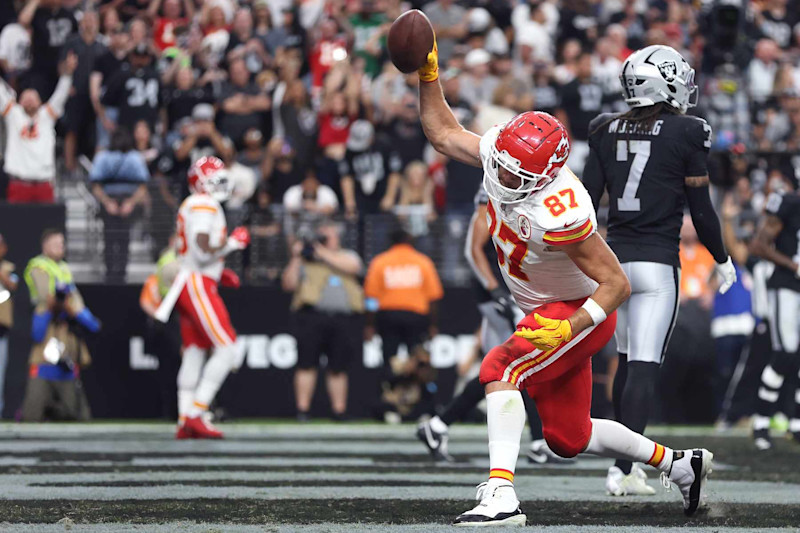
<point x="552" y="334"/>
<point x="430" y="70"/>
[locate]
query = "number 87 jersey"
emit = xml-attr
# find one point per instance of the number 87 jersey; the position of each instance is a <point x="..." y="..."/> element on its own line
<point x="529" y="237"/>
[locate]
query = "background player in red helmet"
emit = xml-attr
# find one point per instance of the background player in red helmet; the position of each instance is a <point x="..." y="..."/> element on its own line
<point x="203" y="242"/>
<point x="567" y="280"/>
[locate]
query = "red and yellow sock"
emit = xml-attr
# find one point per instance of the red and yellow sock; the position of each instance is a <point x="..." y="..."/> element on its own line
<point x="501" y="473"/>
<point x="661" y="458"/>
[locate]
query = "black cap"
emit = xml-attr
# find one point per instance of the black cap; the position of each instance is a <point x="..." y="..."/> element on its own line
<point x="141" y="49"/>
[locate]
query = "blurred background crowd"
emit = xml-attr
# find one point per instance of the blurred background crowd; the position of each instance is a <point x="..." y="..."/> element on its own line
<point x="300" y="100"/>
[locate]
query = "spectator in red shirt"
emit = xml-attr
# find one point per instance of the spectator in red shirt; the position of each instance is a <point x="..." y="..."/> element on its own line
<point x="329" y="47"/>
<point x="335" y="117"/>
<point x="164" y="27"/>
<point x="212" y="18"/>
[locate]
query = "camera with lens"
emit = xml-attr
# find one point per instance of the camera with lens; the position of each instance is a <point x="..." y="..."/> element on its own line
<point x="62" y="291"/>
<point x="308" y="245"/>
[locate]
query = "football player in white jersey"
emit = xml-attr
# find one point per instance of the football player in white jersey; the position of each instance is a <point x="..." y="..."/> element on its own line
<point x="203" y="243"/>
<point x="568" y="282"/>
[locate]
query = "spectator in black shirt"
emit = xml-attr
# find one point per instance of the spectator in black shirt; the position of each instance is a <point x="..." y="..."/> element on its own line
<point x="79" y="118"/>
<point x="299" y="121"/>
<point x="51" y="25"/>
<point x="8" y="12"/>
<point x="244" y="44"/>
<point x="201" y="138"/>
<point x="253" y="154"/>
<point x="243" y="103"/>
<point x="289" y="35"/>
<point x="127" y="9"/>
<point x="451" y="86"/>
<point x="135" y="89"/>
<point x="282" y="169"/>
<point x="370" y="172"/>
<point x="581" y="101"/>
<point x="404" y="131"/>
<point x="633" y="22"/>
<point x="180" y="100"/>
<point x="103" y="70"/>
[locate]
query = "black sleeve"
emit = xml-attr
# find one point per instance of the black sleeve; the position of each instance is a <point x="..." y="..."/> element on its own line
<point x="113" y="92"/>
<point x="345" y="167"/>
<point x="567" y="95"/>
<point x="594" y="178"/>
<point x="698" y="136"/>
<point x="780" y="205"/>
<point x="394" y="163"/>
<point x="706" y="222"/>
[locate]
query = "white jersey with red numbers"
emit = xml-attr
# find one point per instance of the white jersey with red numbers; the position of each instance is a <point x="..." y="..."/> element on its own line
<point x="199" y="214"/>
<point x="528" y="236"/>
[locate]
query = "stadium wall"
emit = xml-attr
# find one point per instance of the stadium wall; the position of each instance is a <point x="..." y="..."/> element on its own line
<point x="122" y="381"/>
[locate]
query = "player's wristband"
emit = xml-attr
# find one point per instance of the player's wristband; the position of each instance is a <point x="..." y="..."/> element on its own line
<point x="594" y="310"/>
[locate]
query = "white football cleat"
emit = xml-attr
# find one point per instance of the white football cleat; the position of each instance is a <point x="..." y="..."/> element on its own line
<point x="690" y="472"/>
<point x="540" y="453"/>
<point x="498" y="506"/>
<point x="633" y="484"/>
<point x="435" y="441"/>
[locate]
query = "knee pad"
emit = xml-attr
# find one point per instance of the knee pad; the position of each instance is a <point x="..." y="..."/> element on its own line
<point x="191" y="367"/>
<point x="566" y="441"/>
<point x="494" y="364"/>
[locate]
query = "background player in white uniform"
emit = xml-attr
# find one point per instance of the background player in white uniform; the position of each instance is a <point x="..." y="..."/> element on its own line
<point x="652" y="161"/>
<point x="569" y="282"/>
<point x="203" y="243"/>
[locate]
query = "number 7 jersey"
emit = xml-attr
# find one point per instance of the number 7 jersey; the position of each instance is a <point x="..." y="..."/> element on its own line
<point x="644" y="171"/>
<point x="529" y="237"/>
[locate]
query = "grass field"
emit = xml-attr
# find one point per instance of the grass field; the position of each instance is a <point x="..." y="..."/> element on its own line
<point x="350" y="478"/>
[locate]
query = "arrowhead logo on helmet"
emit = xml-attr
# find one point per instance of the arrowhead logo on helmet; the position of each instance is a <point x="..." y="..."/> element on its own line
<point x="560" y="155"/>
<point x="208" y="175"/>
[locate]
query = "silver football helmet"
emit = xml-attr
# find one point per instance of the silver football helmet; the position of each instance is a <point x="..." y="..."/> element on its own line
<point x="655" y="74"/>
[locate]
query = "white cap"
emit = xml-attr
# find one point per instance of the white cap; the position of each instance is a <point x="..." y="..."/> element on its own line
<point x="360" y="136"/>
<point x="478" y="19"/>
<point x="476" y="57"/>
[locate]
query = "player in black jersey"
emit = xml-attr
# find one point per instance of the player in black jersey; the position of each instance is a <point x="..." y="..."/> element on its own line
<point x="778" y="241"/>
<point x="499" y="319"/>
<point x="652" y="162"/>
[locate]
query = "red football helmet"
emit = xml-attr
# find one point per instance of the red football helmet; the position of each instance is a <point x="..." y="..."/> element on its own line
<point x="208" y="175"/>
<point x="533" y="146"/>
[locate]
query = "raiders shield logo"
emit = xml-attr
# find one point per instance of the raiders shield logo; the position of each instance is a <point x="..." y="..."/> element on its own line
<point x="669" y="70"/>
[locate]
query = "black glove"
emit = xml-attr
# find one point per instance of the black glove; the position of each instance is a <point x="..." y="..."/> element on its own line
<point x="504" y="304"/>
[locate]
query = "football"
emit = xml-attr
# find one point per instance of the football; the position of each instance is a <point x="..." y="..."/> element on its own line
<point x="410" y="40"/>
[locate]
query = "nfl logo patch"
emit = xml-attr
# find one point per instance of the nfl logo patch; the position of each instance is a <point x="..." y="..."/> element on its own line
<point x="524" y="227"/>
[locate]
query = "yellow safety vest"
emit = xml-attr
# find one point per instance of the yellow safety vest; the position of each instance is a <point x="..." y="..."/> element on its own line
<point x="57" y="272"/>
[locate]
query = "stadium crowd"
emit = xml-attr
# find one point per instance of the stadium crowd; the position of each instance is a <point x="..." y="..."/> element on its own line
<point x="300" y="100"/>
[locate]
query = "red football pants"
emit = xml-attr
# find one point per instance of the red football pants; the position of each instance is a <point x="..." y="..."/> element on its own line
<point x="29" y="192"/>
<point x="559" y="380"/>
<point x="204" y="318"/>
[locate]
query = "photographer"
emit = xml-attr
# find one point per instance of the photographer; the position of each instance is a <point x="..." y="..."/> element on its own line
<point x="328" y="304"/>
<point x="60" y="320"/>
<point x="8" y="285"/>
